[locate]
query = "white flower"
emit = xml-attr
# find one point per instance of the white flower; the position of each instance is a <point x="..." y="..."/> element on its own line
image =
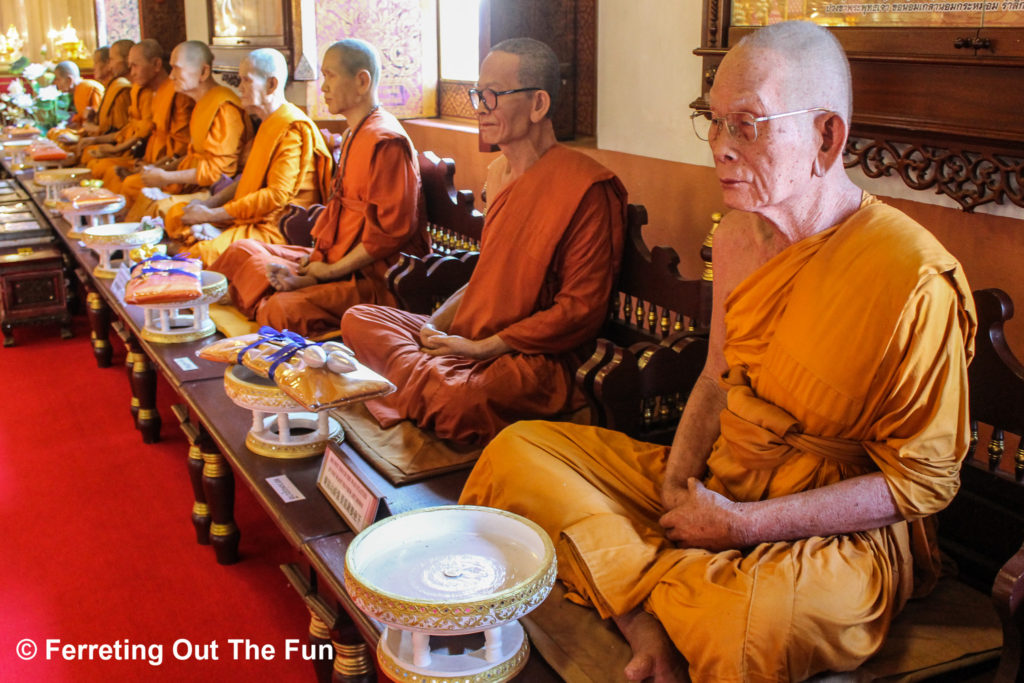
<point x="48" y="93"/>
<point x="15" y="87"/>
<point x="23" y="100"/>
<point x="33" y="71"/>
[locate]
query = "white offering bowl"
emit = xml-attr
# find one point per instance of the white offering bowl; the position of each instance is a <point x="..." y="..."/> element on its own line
<point x="184" y="321"/>
<point x="106" y="239"/>
<point x="83" y="218"/>
<point x="281" y="428"/>
<point x="56" y="179"/>
<point x="451" y="571"/>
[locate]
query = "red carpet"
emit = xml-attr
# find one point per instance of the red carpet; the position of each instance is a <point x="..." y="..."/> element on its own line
<point x="98" y="548"/>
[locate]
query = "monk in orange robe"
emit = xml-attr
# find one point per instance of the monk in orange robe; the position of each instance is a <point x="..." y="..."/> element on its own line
<point x="146" y="68"/>
<point x="113" y="113"/>
<point x="219" y="129"/>
<point x="501" y="348"/>
<point x="289" y="163"/>
<point x="86" y="93"/>
<point x="787" y="524"/>
<point x="373" y="214"/>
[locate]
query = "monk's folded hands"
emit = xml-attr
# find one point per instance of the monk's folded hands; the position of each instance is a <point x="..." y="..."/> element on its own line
<point x="704" y="519"/>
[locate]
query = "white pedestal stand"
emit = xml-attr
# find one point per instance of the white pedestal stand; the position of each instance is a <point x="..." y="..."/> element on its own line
<point x="173" y="323"/>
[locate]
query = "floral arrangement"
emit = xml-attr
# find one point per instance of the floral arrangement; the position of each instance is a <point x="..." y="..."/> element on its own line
<point x="40" y="102"/>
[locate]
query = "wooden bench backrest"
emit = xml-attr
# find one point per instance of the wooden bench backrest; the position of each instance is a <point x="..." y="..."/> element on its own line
<point x="453" y="223"/>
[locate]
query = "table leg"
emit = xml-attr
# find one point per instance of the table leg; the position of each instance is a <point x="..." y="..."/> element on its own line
<point x="219" y="490"/>
<point x="99" y="321"/>
<point x="147" y="419"/>
<point x="200" y="510"/>
<point x="353" y="662"/>
<point x="319" y="636"/>
<point x="8" y="331"/>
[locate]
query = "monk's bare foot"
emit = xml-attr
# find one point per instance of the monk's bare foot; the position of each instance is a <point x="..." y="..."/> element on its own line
<point x="654" y="656"/>
<point x="284" y="280"/>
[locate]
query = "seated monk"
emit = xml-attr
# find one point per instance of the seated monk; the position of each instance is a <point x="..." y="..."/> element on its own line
<point x="373" y="214"/>
<point x="86" y="95"/>
<point x="146" y="70"/>
<point x="289" y="163"/>
<point x="502" y="347"/>
<point x="788" y="523"/>
<point x="113" y="114"/>
<point x="218" y="131"/>
<point x="169" y="138"/>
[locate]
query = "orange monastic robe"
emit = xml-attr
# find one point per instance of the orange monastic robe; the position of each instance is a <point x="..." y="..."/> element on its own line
<point x="375" y="202"/>
<point x="87" y="95"/>
<point x="847" y="354"/>
<point x="171" y="111"/>
<point x="289" y="164"/>
<point x="114" y="112"/>
<point x="218" y="130"/>
<point x="551" y="244"/>
<point x="140" y="125"/>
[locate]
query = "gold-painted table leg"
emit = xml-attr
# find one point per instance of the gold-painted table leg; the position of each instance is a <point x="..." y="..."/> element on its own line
<point x="143" y="381"/>
<point x="99" y="322"/>
<point x="219" y="489"/>
<point x="200" y="510"/>
<point x="353" y="661"/>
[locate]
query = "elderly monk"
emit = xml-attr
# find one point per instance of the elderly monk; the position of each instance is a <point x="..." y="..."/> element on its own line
<point x="113" y="113"/>
<point x="169" y="137"/>
<point x="146" y="69"/>
<point x="787" y="525"/>
<point x="289" y="164"/>
<point x="373" y="214"/>
<point x="86" y="93"/>
<point x="218" y="131"/>
<point x="502" y="347"/>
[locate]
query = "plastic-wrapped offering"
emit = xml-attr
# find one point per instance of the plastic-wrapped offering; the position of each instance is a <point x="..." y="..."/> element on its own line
<point x="45" y="150"/>
<point x="88" y="197"/>
<point x="163" y="279"/>
<point x="317" y="376"/>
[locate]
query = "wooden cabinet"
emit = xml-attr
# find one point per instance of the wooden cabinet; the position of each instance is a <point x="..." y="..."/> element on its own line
<point x="240" y="26"/>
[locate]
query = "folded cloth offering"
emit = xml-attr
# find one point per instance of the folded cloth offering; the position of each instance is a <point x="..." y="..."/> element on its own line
<point x="318" y="376"/>
<point x="89" y="197"/>
<point x="163" y="279"/>
<point x="45" y="150"/>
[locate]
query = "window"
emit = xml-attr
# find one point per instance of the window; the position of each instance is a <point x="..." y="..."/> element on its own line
<point x="459" y="39"/>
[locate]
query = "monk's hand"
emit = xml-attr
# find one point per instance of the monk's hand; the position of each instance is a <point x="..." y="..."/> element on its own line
<point x="153" y="176"/>
<point x="704" y="519"/>
<point x="196" y="212"/>
<point x="436" y="343"/>
<point x="102" y="151"/>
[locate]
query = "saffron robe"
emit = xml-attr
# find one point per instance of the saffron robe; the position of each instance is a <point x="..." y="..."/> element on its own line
<point x="377" y="202"/>
<point x="113" y="114"/>
<point x="847" y="354"/>
<point x="550" y="248"/>
<point x="140" y="125"/>
<point x="86" y="95"/>
<point x="218" y="130"/>
<point x="169" y="137"/>
<point x="289" y="164"/>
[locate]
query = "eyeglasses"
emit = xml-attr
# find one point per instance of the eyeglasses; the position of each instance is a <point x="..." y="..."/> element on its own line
<point x="742" y="126"/>
<point x="489" y="98"/>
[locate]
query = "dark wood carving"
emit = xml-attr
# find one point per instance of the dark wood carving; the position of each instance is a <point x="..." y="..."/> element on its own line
<point x="297" y="223"/>
<point x="971" y="177"/>
<point x="164" y="22"/>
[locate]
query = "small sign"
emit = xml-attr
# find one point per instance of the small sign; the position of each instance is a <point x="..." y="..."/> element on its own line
<point x="354" y="499"/>
<point x="285" y="488"/>
<point x="185" y="363"/>
<point x="25" y="251"/>
<point x="120" y="281"/>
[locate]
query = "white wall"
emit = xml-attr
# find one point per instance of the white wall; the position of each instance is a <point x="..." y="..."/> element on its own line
<point x="647" y="75"/>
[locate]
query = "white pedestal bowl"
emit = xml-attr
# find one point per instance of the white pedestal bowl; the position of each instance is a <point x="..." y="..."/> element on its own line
<point x="107" y="239"/>
<point x="177" y="323"/>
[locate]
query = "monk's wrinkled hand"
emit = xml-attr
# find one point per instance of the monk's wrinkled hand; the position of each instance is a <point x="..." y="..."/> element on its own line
<point x="196" y="212"/>
<point x="428" y="334"/>
<point x="102" y="151"/>
<point x="152" y="176"/>
<point x="319" y="270"/>
<point x="704" y="519"/>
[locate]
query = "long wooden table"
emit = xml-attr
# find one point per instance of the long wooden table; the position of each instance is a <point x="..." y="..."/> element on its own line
<point x="216" y="429"/>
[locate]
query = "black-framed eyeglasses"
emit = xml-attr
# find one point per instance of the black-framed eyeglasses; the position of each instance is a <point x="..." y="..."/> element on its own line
<point x="741" y="126"/>
<point x="489" y="98"/>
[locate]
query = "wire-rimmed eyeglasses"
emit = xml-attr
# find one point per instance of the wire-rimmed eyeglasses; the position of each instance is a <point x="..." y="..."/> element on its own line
<point x="742" y="126"/>
<point x="489" y="98"/>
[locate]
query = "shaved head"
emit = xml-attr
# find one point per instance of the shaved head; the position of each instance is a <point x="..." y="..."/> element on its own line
<point x="196" y="52"/>
<point x="68" y="69"/>
<point x="120" y="48"/>
<point x="538" y="66"/>
<point x="150" y="49"/>
<point x="267" y="62"/>
<point x="356" y="55"/>
<point x="816" y="72"/>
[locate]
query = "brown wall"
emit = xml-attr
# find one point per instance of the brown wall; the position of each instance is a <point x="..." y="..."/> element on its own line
<point x="680" y="199"/>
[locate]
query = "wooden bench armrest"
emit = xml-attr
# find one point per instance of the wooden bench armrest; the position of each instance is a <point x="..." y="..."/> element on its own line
<point x="641" y="389"/>
<point x="1007" y="595"/>
<point x="296" y="223"/>
<point x="420" y="284"/>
